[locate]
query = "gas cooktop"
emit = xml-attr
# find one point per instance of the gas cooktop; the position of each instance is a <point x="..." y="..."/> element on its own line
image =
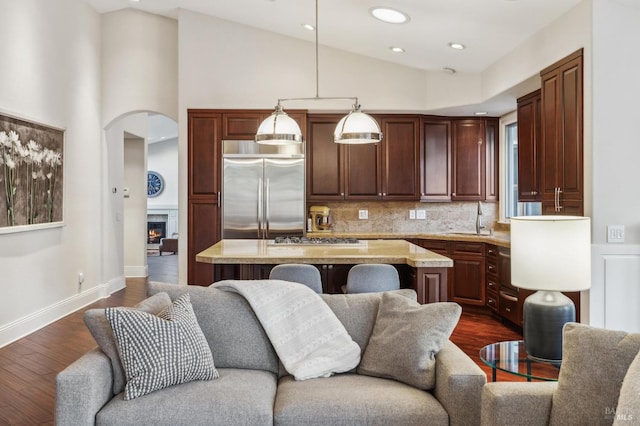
<point x="316" y="241"/>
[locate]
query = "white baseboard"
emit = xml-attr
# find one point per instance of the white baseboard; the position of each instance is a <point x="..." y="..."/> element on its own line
<point x="136" y="271"/>
<point x="33" y="322"/>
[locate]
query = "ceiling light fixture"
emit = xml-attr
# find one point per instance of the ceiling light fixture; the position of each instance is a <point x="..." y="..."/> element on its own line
<point x="354" y="128"/>
<point x="308" y="27"/>
<point x="396" y="49"/>
<point x="449" y="70"/>
<point x="390" y="16"/>
<point x="481" y="113"/>
<point x="457" y="46"/>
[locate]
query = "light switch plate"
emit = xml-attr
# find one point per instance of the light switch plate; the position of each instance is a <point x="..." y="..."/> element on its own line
<point x="412" y="214"/>
<point x="421" y="214"/>
<point x="363" y="214"/>
<point x="615" y="233"/>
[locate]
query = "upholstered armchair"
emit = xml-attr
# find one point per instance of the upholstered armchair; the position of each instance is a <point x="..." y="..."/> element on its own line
<point x="169" y="245"/>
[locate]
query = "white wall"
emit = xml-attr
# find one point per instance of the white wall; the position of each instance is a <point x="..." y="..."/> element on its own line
<point x="51" y="73"/>
<point x="616" y="149"/>
<point x="135" y="207"/>
<point x="162" y="157"/>
<point x="139" y="64"/>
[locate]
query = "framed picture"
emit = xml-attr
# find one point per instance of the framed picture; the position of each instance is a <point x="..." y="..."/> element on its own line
<point x="31" y="175"/>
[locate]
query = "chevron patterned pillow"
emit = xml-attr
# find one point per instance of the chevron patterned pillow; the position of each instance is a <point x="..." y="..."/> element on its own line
<point x="158" y="351"/>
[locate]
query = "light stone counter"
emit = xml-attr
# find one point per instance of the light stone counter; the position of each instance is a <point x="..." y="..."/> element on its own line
<point x="501" y="238"/>
<point x="368" y="251"/>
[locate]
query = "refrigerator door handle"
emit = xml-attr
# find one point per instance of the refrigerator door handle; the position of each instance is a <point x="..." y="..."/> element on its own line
<point x="266" y="208"/>
<point x="260" y="227"/>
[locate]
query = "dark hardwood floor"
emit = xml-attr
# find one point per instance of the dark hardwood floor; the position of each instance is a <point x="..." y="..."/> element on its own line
<point x="29" y="366"/>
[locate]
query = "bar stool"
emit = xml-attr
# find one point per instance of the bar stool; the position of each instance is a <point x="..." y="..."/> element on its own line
<point x="298" y="273"/>
<point x="372" y="278"/>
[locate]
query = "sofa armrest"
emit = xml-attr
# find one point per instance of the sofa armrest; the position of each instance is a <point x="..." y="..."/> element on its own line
<point x="459" y="383"/>
<point x="521" y="403"/>
<point x="83" y="388"/>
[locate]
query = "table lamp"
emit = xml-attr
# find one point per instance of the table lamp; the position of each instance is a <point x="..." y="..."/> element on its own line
<point x="549" y="254"/>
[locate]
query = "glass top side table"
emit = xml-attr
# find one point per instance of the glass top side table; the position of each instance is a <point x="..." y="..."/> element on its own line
<point x="512" y="358"/>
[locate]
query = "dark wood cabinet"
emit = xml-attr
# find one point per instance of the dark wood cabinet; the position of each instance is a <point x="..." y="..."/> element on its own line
<point x="436" y="160"/>
<point x="388" y="170"/>
<point x="241" y="125"/>
<point x="468" y="275"/>
<point x="400" y="157"/>
<point x="561" y="144"/>
<point x="470" y="149"/>
<point x="204" y="185"/>
<point x="529" y="110"/>
<point x="491" y="277"/>
<point x="325" y="159"/>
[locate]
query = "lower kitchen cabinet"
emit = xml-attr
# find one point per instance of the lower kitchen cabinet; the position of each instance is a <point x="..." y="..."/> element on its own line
<point x="468" y="275"/>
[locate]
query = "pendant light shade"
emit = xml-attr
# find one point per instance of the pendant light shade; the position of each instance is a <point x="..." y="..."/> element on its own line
<point x="279" y="129"/>
<point x="357" y="128"/>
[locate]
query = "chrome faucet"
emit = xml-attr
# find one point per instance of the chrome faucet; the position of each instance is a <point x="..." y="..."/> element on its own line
<point x="479" y="224"/>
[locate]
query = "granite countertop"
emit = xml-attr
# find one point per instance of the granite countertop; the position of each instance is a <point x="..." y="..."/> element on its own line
<point x="499" y="238"/>
<point x="391" y="251"/>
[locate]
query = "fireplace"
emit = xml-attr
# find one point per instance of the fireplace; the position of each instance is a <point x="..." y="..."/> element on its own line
<point x="156" y="231"/>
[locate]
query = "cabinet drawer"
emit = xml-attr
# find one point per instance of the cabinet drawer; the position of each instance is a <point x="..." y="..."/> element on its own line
<point x="492" y="301"/>
<point x="492" y="285"/>
<point x="465" y="247"/>
<point x="438" y="246"/>
<point x="491" y="251"/>
<point x="492" y="269"/>
<point x="508" y="307"/>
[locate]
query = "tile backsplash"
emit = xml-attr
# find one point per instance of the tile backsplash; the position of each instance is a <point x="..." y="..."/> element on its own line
<point x="393" y="217"/>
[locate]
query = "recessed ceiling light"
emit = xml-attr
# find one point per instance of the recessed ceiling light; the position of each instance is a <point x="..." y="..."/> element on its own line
<point x="308" y="27"/>
<point x="458" y="46"/>
<point x="396" y="49"/>
<point x="481" y="113"/>
<point x="134" y="1"/>
<point x="390" y="16"/>
<point x="449" y="70"/>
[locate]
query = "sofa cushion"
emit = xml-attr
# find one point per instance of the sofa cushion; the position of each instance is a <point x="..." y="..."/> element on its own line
<point x="234" y="334"/>
<point x="628" y="409"/>
<point x="406" y="338"/>
<point x="594" y="364"/>
<point x="160" y="351"/>
<point x="237" y="397"/>
<point x="350" y="399"/>
<point x="97" y="323"/>
<point x="358" y="311"/>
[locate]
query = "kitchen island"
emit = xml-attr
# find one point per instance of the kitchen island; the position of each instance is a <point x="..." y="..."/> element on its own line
<point x="419" y="268"/>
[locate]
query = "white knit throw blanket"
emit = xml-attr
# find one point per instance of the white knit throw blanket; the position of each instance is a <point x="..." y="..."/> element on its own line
<point x="307" y="336"/>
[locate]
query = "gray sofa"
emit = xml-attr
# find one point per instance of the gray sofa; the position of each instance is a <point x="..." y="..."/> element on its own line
<point x="254" y="389"/>
<point x="599" y="384"/>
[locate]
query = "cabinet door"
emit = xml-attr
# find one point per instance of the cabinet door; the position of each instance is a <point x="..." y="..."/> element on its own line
<point x="436" y="161"/>
<point x="528" y="151"/>
<point x="325" y="160"/>
<point x="400" y="158"/>
<point x="469" y="156"/>
<point x="492" y="161"/>
<point x="204" y="159"/>
<point x="572" y="142"/>
<point x="241" y="125"/>
<point x="334" y="277"/>
<point x="468" y="286"/>
<point x="363" y="177"/>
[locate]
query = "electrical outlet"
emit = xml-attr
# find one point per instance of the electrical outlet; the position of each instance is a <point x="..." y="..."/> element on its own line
<point x="421" y="214"/>
<point x="363" y="214"/>
<point x="615" y="233"/>
<point x="412" y="214"/>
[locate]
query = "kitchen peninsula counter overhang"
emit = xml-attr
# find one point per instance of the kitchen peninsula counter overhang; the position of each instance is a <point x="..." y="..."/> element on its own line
<point x="430" y="280"/>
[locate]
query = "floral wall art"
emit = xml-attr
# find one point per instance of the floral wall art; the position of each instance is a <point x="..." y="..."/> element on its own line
<point x="31" y="174"/>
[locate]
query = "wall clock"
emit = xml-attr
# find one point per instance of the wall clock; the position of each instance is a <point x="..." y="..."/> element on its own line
<point x="155" y="184"/>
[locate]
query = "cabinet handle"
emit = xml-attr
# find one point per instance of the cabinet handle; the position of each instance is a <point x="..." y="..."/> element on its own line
<point x="342" y="194"/>
<point x="480" y="142"/>
<point x="492" y="268"/>
<point x="379" y="194"/>
<point x="534" y="192"/>
<point x="330" y="266"/>
<point x="219" y="198"/>
<point x="507" y="309"/>
<point x="508" y="296"/>
<point x="492" y="252"/>
<point x="453" y="194"/>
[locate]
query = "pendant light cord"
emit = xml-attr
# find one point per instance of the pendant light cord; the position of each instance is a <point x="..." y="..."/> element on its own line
<point x="317" y="62"/>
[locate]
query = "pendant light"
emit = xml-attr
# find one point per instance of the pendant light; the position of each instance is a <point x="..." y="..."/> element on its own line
<point x="356" y="127"/>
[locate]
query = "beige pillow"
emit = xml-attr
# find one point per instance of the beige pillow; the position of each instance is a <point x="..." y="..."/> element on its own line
<point x="594" y="364"/>
<point x="100" y="329"/>
<point x="406" y="338"/>
<point x="628" y="409"/>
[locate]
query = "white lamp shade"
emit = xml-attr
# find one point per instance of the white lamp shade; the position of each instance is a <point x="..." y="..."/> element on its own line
<point x="279" y="129"/>
<point x="551" y="253"/>
<point x="357" y="128"/>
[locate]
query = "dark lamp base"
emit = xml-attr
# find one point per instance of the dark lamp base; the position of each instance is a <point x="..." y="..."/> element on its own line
<point x="545" y="314"/>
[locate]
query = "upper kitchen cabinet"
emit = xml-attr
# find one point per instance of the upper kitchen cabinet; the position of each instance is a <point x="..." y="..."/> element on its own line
<point x="436" y="160"/>
<point x="243" y="124"/>
<point x="529" y="110"/>
<point x="325" y="159"/>
<point x="388" y="170"/>
<point x="474" y="159"/>
<point x="561" y="147"/>
<point x="400" y="155"/>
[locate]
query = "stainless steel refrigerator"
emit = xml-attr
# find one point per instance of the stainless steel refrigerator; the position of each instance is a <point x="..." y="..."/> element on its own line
<point x="263" y="195"/>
